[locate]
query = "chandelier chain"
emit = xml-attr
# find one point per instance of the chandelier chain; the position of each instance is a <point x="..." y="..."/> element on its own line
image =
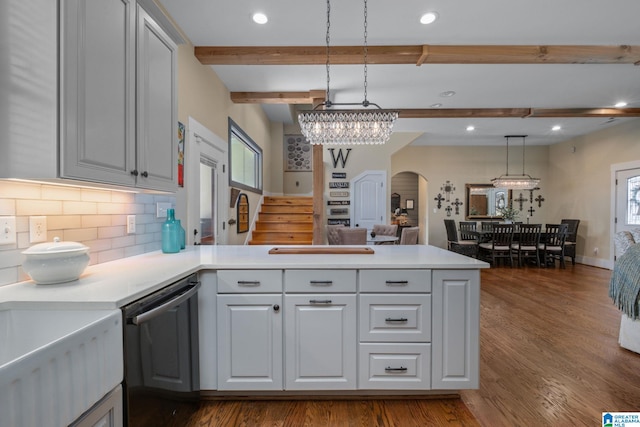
<point x="328" y="40"/>
<point x="366" y="51"/>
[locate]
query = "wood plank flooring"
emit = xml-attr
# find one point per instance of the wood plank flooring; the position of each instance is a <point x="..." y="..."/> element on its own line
<point x="549" y="356"/>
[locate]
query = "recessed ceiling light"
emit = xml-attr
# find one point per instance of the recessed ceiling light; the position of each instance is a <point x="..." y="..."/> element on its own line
<point x="447" y="94"/>
<point x="436" y="105"/>
<point x="556" y="128"/>
<point x="621" y="104"/>
<point x="260" y="18"/>
<point x="428" y="18"/>
<point x="471" y="128"/>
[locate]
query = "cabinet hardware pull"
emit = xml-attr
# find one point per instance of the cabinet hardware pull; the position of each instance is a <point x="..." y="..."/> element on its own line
<point x="320" y="301"/>
<point x="397" y="282"/>
<point x="321" y="282"/>
<point x="276" y="308"/>
<point x="249" y="282"/>
<point x="145" y="174"/>
<point x="400" y="369"/>
<point x="401" y="319"/>
<point x="134" y="172"/>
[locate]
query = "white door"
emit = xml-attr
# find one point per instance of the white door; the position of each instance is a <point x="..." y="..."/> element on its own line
<point x="249" y="342"/>
<point x="320" y="342"/>
<point x="206" y="181"/>
<point x="627" y="204"/>
<point x="369" y="199"/>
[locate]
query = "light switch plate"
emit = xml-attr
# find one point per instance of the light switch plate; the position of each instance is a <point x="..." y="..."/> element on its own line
<point x="37" y="229"/>
<point x="7" y="230"/>
<point x="161" y="209"/>
<point x="131" y="224"/>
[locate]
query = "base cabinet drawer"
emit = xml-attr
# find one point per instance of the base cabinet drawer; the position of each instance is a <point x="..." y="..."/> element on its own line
<point x="390" y="366"/>
<point x="249" y="281"/>
<point x="397" y="318"/>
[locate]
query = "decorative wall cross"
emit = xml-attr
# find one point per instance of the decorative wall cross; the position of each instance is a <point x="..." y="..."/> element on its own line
<point x="539" y="199"/>
<point x="439" y="199"/>
<point x="448" y="209"/>
<point x="531" y="210"/>
<point x="457" y="204"/>
<point x="531" y="193"/>
<point x="520" y="200"/>
<point x="448" y="188"/>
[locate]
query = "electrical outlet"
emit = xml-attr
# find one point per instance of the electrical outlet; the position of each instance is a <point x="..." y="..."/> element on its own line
<point x="131" y="224"/>
<point x="37" y="229"/>
<point x="7" y="230"/>
<point x="161" y="209"/>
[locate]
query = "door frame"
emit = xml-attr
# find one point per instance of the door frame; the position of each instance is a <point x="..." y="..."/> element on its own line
<point x="615" y="168"/>
<point x="202" y="142"/>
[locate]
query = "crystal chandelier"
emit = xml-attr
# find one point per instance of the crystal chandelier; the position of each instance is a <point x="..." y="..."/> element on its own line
<point x="347" y="126"/>
<point x="515" y="182"/>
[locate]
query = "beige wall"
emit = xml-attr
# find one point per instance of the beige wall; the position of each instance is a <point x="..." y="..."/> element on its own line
<point x="203" y="96"/>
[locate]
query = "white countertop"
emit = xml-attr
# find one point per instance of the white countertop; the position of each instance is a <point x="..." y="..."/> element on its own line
<point x="117" y="283"/>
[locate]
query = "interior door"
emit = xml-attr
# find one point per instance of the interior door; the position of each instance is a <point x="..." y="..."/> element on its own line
<point x="627" y="205"/>
<point x="369" y="199"/>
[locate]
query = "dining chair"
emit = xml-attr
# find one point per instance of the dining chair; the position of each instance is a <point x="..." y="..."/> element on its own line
<point x="466" y="226"/>
<point x="572" y="237"/>
<point x="526" y="246"/>
<point x="333" y="238"/>
<point x="352" y="236"/>
<point x="552" y="247"/>
<point x="409" y="236"/>
<point x="385" y="230"/>
<point x="500" y="245"/>
<point x="464" y="247"/>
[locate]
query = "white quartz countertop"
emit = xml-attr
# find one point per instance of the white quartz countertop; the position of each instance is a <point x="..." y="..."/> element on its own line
<point x="117" y="283"/>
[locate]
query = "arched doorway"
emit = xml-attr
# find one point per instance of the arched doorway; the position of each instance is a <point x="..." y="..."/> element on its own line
<point x="412" y="189"/>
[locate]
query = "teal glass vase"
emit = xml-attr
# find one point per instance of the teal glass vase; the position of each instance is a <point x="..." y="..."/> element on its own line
<point x="183" y="234"/>
<point x="170" y="234"/>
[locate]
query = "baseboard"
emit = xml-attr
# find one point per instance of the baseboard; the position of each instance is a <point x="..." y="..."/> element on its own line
<point x="594" y="262"/>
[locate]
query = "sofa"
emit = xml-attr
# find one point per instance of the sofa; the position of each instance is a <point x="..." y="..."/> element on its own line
<point x="625" y="285"/>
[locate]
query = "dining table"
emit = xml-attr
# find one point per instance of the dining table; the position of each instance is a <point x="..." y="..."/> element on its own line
<point x="379" y="239"/>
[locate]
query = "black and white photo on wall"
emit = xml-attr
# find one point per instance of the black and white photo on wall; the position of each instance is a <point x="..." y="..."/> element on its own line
<point x="297" y="154"/>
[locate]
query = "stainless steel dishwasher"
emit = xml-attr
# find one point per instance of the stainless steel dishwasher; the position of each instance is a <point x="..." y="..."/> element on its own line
<point x="161" y="378"/>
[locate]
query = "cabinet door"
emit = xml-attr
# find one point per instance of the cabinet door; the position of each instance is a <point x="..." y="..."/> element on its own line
<point x="249" y="342"/>
<point x="456" y="329"/>
<point x="320" y="342"/>
<point x="98" y="90"/>
<point x="157" y="138"/>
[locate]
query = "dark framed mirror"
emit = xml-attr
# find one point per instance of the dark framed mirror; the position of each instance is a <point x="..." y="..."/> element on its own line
<point x="395" y="202"/>
<point x="242" y="208"/>
<point x="484" y="201"/>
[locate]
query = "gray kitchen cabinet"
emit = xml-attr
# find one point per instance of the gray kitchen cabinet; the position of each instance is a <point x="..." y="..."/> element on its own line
<point x="91" y="94"/>
<point x="106" y="413"/>
<point x="456" y="329"/>
<point x="118" y="120"/>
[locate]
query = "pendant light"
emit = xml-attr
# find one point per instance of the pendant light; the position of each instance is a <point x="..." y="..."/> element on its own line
<point x="515" y="182"/>
<point x="347" y="126"/>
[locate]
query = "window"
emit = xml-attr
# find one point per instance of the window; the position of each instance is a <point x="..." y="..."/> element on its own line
<point x="245" y="160"/>
<point x="633" y="207"/>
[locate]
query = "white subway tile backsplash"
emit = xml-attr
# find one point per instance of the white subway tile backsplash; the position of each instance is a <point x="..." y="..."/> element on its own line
<point x="96" y="218"/>
<point x="38" y="207"/>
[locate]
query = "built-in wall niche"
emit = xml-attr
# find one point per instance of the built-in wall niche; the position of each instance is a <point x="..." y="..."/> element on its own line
<point x="404" y="193"/>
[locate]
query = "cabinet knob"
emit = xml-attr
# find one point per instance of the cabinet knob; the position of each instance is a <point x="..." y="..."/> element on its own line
<point x="144" y="174"/>
<point x="276" y="308"/>
<point x="134" y="172"/>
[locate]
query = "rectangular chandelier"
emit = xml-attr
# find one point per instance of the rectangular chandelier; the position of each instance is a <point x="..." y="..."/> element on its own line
<point x="516" y="182"/>
<point x="347" y="126"/>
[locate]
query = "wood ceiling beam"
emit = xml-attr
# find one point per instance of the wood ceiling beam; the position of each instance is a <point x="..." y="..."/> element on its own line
<point x="277" y="97"/>
<point x="584" y="112"/>
<point x="419" y="54"/>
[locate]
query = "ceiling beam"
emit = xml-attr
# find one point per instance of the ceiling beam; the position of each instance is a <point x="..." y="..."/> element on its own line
<point x="419" y="54"/>
<point x="585" y="112"/>
<point x="277" y="97"/>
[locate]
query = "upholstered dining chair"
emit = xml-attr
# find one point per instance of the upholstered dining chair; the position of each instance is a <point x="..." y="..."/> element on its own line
<point x="385" y="230"/>
<point x="464" y="247"/>
<point x="553" y="246"/>
<point x="572" y="237"/>
<point x="527" y="245"/>
<point x="352" y="236"/>
<point x="333" y="238"/>
<point x="500" y="245"/>
<point x="409" y="236"/>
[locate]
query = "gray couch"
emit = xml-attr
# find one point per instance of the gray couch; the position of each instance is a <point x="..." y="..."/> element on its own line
<point x="629" y="336"/>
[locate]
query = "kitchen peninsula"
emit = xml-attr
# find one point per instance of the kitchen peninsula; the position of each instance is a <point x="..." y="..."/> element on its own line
<point x="403" y="320"/>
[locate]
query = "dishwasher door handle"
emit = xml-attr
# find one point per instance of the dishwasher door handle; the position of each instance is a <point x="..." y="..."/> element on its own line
<point x="157" y="311"/>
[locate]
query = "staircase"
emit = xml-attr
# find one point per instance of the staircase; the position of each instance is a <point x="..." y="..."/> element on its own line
<point x="284" y="221"/>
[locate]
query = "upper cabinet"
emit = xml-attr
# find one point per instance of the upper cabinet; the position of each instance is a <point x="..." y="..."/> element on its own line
<point x="116" y="100"/>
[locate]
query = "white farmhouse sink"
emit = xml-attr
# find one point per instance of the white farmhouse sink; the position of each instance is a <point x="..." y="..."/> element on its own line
<point x="55" y="364"/>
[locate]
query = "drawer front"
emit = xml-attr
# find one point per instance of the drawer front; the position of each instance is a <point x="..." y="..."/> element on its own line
<point x="395" y="281"/>
<point x="320" y="281"/>
<point x="249" y="281"/>
<point x="394" y="367"/>
<point x="396" y="318"/>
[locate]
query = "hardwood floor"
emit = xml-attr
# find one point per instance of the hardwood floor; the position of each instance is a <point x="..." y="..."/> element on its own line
<point x="549" y="356"/>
